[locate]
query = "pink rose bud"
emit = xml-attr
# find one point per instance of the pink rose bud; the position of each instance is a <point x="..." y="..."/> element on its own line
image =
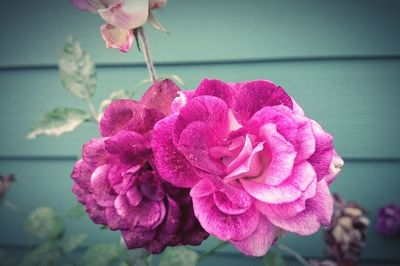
<point x="118" y="38"/>
<point x="155" y="4"/>
<point x="126" y="14"/>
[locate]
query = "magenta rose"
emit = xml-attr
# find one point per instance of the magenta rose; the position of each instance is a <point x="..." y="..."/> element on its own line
<point x="257" y="167"/>
<point x="118" y="183"/>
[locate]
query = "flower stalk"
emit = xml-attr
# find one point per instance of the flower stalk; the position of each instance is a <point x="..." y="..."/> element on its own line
<point x="147" y="54"/>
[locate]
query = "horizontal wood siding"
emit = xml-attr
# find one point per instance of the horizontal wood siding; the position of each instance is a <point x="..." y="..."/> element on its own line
<point x="340" y="60"/>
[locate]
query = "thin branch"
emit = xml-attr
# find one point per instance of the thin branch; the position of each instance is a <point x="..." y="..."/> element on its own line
<point x="147" y="54"/>
<point x="294" y="253"/>
<point x="92" y="110"/>
<point x="211" y="251"/>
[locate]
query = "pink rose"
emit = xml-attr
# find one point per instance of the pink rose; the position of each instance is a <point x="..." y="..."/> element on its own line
<point x="118" y="183"/>
<point x="255" y="164"/>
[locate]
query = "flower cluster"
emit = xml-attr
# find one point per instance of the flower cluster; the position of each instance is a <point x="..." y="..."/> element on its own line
<point x="117" y="182"/>
<point x="122" y="16"/>
<point x="388" y="220"/>
<point x="243" y="158"/>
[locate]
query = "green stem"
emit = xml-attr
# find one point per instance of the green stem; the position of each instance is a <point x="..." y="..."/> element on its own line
<point x="293" y="253"/>
<point x="212" y="250"/>
<point x="147" y="55"/>
<point x="92" y="110"/>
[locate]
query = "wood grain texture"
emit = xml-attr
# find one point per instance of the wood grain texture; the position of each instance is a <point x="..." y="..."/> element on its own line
<point x="211" y="30"/>
<point x="356" y="100"/>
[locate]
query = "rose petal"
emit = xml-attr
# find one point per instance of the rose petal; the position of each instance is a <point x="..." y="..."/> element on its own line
<point x="126" y="14"/>
<point x="88" y="5"/>
<point x="171" y="164"/>
<point x="334" y="168"/>
<point x="319" y="211"/>
<point x="195" y="142"/>
<point x="160" y="96"/>
<point x="127" y="115"/>
<point x="118" y="38"/>
<point x="222" y="225"/>
<point x="259" y="242"/>
<point x="322" y="157"/>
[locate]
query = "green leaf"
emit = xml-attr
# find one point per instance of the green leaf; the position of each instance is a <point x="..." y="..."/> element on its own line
<point x="118" y="94"/>
<point x="44" y="223"/>
<point x="76" y="212"/>
<point x="47" y="254"/>
<point x="101" y="255"/>
<point x="273" y="259"/>
<point x="178" y="256"/>
<point x="7" y="260"/>
<point x="77" y="70"/>
<point x="155" y="23"/>
<point x="138" y="257"/>
<point x="58" y="121"/>
<point x="73" y="242"/>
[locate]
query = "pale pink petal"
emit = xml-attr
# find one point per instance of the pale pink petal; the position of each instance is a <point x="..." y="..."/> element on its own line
<point x="222" y="225"/>
<point x="171" y="164"/>
<point x="281" y="155"/>
<point x="334" y="168"/>
<point x="259" y="242"/>
<point x="155" y="4"/>
<point x="88" y="5"/>
<point x="118" y="38"/>
<point x="319" y="211"/>
<point x="126" y="14"/>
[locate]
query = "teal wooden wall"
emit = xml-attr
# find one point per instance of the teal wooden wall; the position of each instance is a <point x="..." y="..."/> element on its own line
<point x="339" y="59"/>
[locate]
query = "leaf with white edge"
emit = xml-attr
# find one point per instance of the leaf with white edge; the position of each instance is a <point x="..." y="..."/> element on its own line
<point x="101" y="255"/>
<point x="273" y="259"/>
<point x="44" y="223"/>
<point x="58" y="121"/>
<point x="179" y="256"/>
<point x="77" y="70"/>
<point x="118" y="94"/>
<point x="73" y="242"/>
<point x="155" y="23"/>
<point x="47" y="254"/>
<point x="76" y="212"/>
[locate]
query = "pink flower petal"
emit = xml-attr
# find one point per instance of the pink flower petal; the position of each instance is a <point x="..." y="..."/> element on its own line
<point x="208" y="109"/>
<point x="155" y="4"/>
<point x="126" y="14"/>
<point x="160" y="96"/>
<point x="252" y="96"/>
<point x="334" y="168"/>
<point x="319" y="211"/>
<point x="222" y="225"/>
<point x="171" y="164"/>
<point x="88" y="5"/>
<point x="118" y="38"/>
<point x="322" y="157"/>
<point x="195" y="142"/>
<point x="232" y="200"/>
<point x="259" y="242"/>
<point x="281" y="156"/>
<point x="127" y="115"/>
<point x="100" y="186"/>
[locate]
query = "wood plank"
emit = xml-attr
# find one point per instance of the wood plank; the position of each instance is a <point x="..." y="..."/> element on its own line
<point x="47" y="183"/>
<point x="356" y="100"/>
<point x="211" y="30"/>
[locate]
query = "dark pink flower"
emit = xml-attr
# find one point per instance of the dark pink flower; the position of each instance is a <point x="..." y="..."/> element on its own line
<point x="255" y="164"/>
<point x="119" y="185"/>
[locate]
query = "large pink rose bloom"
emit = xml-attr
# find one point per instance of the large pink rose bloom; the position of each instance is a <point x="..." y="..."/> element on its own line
<point x="256" y="165"/>
<point x="118" y="183"/>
